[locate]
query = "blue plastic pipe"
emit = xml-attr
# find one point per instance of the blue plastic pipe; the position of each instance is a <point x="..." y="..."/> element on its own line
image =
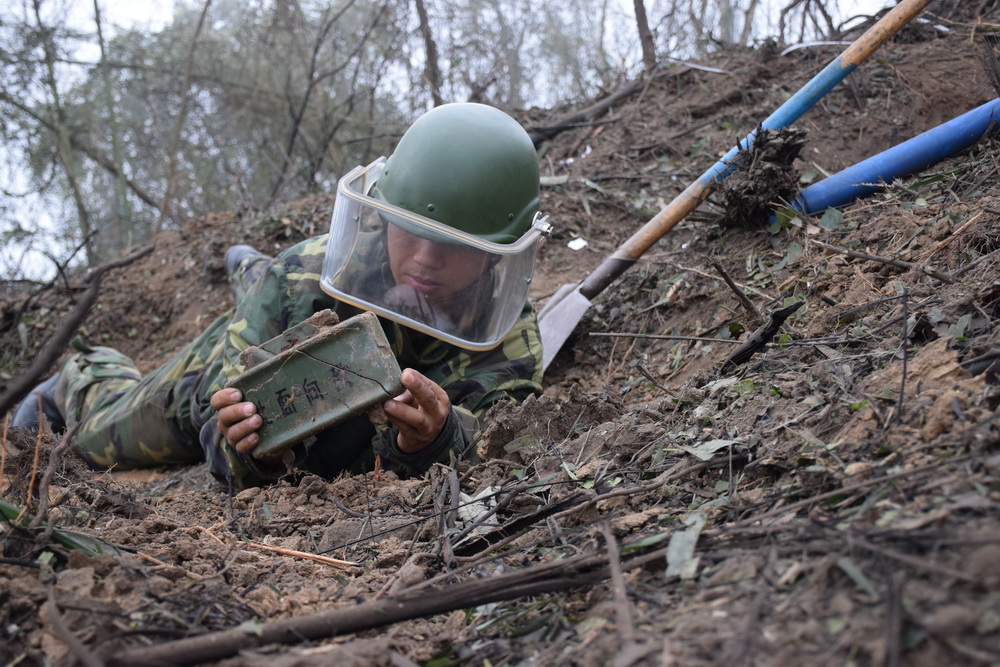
<point x="909" y="157"/>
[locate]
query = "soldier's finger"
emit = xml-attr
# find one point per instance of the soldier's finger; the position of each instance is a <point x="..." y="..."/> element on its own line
<point x="405" y="417"/>
<point x="225" y="397"/>
<point x="244" y="431"/>
<point x="428" y="395"/>
<point x="246" y="445"/>
<point x="231" y="415"/>
<point x="405" y="397"/>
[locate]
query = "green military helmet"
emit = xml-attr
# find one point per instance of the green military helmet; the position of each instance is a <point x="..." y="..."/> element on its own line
<point x="469" y="166"/>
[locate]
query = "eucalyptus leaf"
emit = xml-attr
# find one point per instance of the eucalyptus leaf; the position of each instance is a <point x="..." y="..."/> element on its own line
<point x="681" y="561"/>
<point x="706" y="450"/>
<point x="518" y="443"/>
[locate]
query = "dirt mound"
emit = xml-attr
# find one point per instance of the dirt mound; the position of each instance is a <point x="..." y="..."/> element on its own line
<point x="833" y="499"/>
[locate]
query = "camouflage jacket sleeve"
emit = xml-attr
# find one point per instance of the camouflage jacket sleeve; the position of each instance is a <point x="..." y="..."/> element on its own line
<point x="286" y="294"/>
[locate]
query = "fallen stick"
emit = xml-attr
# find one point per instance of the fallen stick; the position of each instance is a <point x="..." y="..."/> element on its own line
<point x="326" y="560"/>
<point x="552" y="577"/>
<point x="761" y="337"/>
<point x="740" y="294"/>
<point x="902" y="264"/>
<point x="951" y="237"/>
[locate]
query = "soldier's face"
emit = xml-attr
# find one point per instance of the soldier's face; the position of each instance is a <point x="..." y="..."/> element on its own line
<point x="434" y="270"/>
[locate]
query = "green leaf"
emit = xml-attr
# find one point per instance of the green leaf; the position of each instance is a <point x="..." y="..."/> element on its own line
<point x="959" y="329"/>
<point x="795" y="250"/>
<point x="706" y="450"/>
<point x="518" y="443"/>
<point x="832" y="219"/>
<point x="68" y="538"/>
<point x="809" y="176"/>
<point x="645" y="542"/>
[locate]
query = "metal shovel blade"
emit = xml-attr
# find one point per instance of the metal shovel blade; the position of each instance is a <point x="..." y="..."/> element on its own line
<point x="565" y="309"/>
<point x="561" y="314"/>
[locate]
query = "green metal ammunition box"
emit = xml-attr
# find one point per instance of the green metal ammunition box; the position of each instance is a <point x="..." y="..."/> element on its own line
<point x="315" y="375"/>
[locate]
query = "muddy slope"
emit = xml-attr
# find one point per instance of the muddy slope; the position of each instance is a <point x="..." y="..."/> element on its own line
<point x="833" y="498"/>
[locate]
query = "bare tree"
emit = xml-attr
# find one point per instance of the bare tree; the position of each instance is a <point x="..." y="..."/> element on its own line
<point x="432" y="72"/>
<point x="645" y="37"/>
<point x="179" y="120"/>
<point x="123" y="208"/>
<point x="64" y="149"/>
<point x="315" y="76"/>
<point x="812" y="12"/>
<point x="78" y="144"/>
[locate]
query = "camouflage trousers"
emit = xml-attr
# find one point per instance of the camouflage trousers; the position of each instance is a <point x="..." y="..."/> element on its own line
<point x="130" y="421"/>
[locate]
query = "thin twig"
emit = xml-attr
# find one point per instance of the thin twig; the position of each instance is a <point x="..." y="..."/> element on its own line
<point x="945" y="243"/>
<point x="697" y="339"/>
<point x="974" y="263"/>
<point x="622" y="608"/>
<point x="918" y="563"/>
<point x="740" y="294"/>
<point x="902" y="264"/>
<point x="865" y="306"/>
<point x="905" y="344"/>
<point x="649" y="376"/>
<point x="844" y="491"/>
<point x="893" y="624"/>
<point x="34" y="464"/>
<point x="326" y="560"/>
<point x="50" y="469"/>
<point x="743" y="287"/>
<point x="346" y="510"/>
<point x="67" y="637"/>
<point x="3" y="449"/>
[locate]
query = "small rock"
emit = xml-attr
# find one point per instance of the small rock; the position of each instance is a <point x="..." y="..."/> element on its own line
<point x="982" y="564"/>
<point x="950" y="620"/>
<point x="858" y="469"/>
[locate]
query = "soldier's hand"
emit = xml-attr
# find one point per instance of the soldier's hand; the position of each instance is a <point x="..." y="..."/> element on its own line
<point x="419" y="413"/>
<point x="238" y="419"/>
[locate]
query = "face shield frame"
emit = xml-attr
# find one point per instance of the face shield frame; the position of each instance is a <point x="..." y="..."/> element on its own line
<point x="478" y="318"/>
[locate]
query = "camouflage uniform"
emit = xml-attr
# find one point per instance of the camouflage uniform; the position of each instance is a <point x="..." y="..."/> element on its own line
<point x="130" y="421"/>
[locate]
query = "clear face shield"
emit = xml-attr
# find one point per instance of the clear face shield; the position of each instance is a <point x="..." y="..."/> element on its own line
<point x="423" y="274"/>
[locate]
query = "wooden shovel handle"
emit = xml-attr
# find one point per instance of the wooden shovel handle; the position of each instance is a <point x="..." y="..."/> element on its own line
<point x="627" y="254"/>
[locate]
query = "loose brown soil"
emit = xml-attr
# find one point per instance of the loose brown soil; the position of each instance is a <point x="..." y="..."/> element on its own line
<point x="847" y="477"/>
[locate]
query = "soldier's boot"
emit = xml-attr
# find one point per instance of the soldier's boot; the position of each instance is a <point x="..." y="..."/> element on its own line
<point x="26" y="414"/>
<point x="244" y="266"/>
<point x="236" y="254"/>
